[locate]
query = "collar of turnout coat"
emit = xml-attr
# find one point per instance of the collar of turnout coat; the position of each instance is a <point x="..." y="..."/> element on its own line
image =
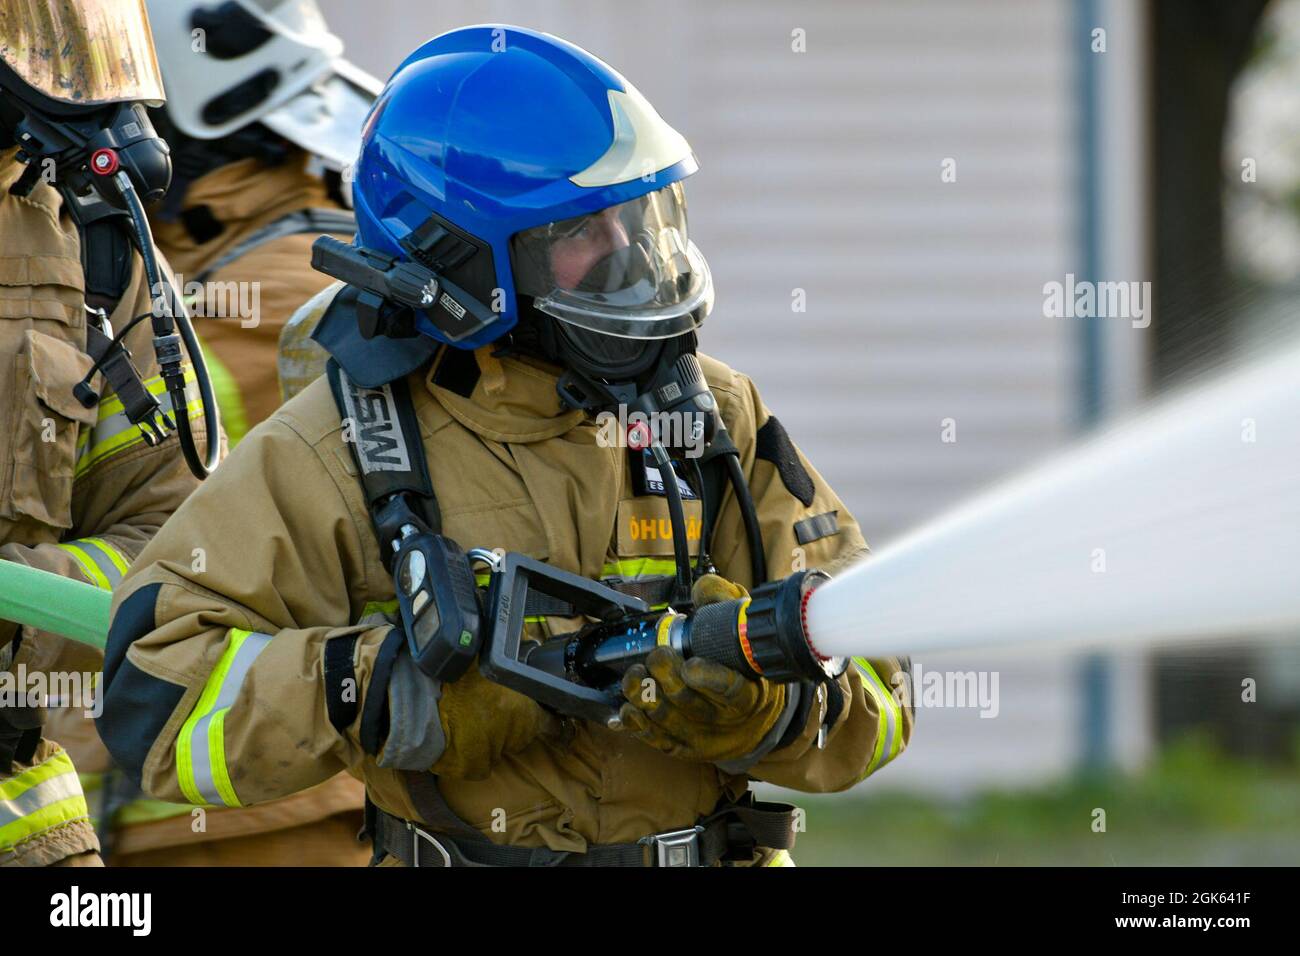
<point x="43" y="195"/>
<point x="507" y="400"/>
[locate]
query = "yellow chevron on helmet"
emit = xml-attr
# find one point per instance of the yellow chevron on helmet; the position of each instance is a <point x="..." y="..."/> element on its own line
<point x="643" y="143"/>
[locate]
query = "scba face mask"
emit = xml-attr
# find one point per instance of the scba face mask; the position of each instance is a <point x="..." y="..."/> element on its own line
<point x="617" y="281"/>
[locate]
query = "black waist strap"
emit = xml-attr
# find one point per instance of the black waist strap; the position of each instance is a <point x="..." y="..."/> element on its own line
<point x="415" y="846"/>
<point x="734" y="831"/>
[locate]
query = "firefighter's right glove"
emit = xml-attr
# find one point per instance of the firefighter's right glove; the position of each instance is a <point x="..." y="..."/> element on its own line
<point x="696" y="709"/>
<point x="459" y="729"/>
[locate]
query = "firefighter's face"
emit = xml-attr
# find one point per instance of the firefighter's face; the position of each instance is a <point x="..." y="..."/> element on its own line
<point x="592" y="239"/>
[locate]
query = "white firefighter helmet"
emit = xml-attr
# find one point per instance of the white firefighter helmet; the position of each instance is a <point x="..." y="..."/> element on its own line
<point x="229" y="63"/>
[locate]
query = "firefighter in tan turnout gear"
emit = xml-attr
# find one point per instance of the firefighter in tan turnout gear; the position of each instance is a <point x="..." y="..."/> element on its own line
<point x="259" y="175"/>
<point x="256" y="179"/>
<point x="84" y="484"/>
<point x="487" y="348"/>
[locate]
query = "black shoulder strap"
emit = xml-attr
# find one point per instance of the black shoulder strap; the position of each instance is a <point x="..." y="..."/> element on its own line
<point x="106" y="259"/>
<point x="713" y="469"/>
<point x="314" y="221"/>
<point x="381" y="426"/>
<point x="112" y="359"/>
<point x="433" y="808"/>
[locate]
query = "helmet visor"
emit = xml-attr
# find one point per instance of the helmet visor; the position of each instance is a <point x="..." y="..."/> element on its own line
<point x="83" y="52"/>
<point x="628" y="270"/>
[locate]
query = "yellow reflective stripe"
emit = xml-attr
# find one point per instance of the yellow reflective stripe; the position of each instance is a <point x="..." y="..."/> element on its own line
<point x="639" y="568"/>
<point x="39" y="799"/>
<point x="217" y="750"/>
<point x="140" y="810"/>
<point x="889" y="733"/>
<point x="628" y="569"/>
<point x="56" y="764"/>
<point x="128" y="435"/>
<point x="87" y="565"/>
<point x="148" y="810"/>
<point x="200" y="748"/>
<point x="47" y="818"/>
<point x="112" y="405"/>
<point x="895" y="742"/>
<point x="116" y="432"/>
<point x="99" y="560"/>
<point x="379" y="607"/>
<point x="229" y="400"/>
<point x="780" y="858"/>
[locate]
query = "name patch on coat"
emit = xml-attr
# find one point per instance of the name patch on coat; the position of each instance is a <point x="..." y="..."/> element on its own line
<point x="646" y="530"/>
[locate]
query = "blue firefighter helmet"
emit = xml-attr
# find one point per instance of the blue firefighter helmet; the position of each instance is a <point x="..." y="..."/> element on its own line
<point x="526" y="172"/>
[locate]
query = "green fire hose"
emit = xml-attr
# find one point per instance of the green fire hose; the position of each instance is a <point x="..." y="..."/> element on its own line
<point x="51" y="602"/>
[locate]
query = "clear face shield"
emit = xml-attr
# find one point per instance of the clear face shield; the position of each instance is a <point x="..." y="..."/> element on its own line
<point x="82" y="52"/>
<point x="618" y="278"/>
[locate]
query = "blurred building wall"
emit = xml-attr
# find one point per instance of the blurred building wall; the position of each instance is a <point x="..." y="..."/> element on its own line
<point x="822" y="171"/>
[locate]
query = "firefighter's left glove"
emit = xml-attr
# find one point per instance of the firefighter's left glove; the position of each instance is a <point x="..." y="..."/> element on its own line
<point x="460" y="729"/>
<point x="696" y="709"/>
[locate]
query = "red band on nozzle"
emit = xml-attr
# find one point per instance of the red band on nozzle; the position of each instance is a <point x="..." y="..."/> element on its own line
<point x="803" y="621"/>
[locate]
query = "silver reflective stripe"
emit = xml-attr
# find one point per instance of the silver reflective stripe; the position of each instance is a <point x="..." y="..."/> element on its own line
<point x="110" y="427"/>
<point x="44" y="794"/>
<point x="891" y="726"/>
<point x="234" y="679"/>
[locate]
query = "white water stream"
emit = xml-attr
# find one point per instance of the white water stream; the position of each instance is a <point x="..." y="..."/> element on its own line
<point x="1183" y="523"/>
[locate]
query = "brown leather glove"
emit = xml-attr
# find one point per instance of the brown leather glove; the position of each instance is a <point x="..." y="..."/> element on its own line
<point x="482" y="721"/>
<point x="696" y="709"/>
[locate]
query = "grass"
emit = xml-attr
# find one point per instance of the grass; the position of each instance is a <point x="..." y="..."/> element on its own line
<point x="1191" y="807"/>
